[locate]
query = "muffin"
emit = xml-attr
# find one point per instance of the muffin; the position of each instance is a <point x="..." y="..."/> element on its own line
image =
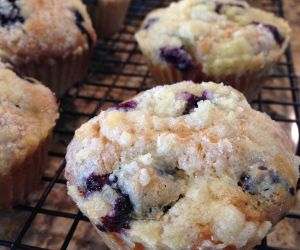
<point x="51" y="41"/>
<point x="183" y="166"/>
<point x="28" y="112"/>
<point x="107" y="15"/>
<point x="223" y="41"/>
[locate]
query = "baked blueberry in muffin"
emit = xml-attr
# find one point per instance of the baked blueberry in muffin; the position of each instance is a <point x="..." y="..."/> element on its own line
<point x="10" y="14"/>
<point x="216" y="40"/>
<point x="183" y="166"/>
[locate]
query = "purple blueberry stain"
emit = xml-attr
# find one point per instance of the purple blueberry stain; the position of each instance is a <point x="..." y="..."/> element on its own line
<point x="79" y="20"/>
<point x="274" y="177"/>
<point x="278" y="37"/>
<point x="178" y="57"/>
<point x="263" y="168"/>
<point x="119" y="218"/>
<point x="247" y="183"/>
<point x="126" y="106"/>
<point x="192" y="101"/>
<point x="219" y="6"/>
<point x="149" y="23"/>
<point x="262" y="182"/>
<point x="10" y="14"/>
<point x="292" y="191"/>
<point x="166" y="171"/>
<point x="96" y="182"/>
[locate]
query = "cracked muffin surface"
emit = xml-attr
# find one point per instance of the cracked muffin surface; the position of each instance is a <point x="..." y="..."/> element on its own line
<point x="183" y="166"/>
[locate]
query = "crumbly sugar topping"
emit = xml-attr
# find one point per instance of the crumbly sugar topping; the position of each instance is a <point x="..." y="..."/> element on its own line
<point x="39" y="30"/>
<point x="224" y="36"/>
<point x="28" y="112"/>
<point x="183" y="166"/>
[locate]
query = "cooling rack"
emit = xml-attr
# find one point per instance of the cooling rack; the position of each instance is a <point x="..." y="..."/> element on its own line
<point x="49" y="220"/>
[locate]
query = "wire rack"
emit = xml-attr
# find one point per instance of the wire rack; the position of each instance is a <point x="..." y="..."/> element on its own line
<point x="49" y="220"/>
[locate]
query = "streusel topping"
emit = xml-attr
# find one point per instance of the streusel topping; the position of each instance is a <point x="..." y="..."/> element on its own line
<point x="223" y="36"/>
<point x="183" y="166"/>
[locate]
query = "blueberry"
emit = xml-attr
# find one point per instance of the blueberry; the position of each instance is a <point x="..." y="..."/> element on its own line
<point x="262" y="182"/>
<point x="178" y="57"/>
<point x="278" y="37"/>
<point x="219" y="6"/>
<point x="10" y="15"/>
<point x="262" y="168"/>
<point x="95" y="182"/>
<point x="79" y="23"/>
<point x="247" y="183"/>
<point x="166" y="208"/>
<point x="126" y="106"/>
<point x="166" y="171"/>
<point x="192" y="100"/>
<point x="120" y="216"/>
<point x="292" y="191"/>
<point x="149" y="23"/>
<point x="274" y="176"/>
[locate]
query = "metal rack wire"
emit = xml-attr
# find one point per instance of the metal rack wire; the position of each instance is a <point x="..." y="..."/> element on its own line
<point x="118" y="72"/>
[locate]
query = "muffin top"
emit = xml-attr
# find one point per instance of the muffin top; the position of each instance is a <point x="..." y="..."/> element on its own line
<point x="28" y="112"/>
<point x="224" y="37"/>
<point x="43" y="30"/>
<point x="183" y="166"/>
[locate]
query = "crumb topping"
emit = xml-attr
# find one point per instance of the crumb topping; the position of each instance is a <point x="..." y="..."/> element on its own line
<point x="223" y="36"/>
<point x="187" y="166"/>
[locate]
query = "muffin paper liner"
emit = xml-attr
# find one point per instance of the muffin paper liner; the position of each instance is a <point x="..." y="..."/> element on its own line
<point x="248" y="83"/>
<point x="23" y="177"/>
<point x="60" y="75"/>
<point x="108" y="16"/>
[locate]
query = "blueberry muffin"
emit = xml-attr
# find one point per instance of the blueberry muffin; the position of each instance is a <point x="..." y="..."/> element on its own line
<point x="217" y="40"/>
<point x="183" y="166"/>
<point x="48" y="40"/>
<point x="107" y="15"/>
<point x="28" y="112"/>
